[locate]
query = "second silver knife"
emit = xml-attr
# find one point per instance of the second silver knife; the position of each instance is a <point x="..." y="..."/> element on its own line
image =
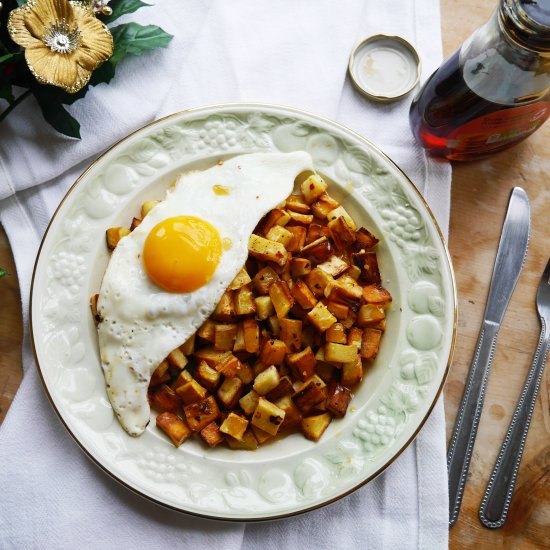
<point x="511" y="253"/>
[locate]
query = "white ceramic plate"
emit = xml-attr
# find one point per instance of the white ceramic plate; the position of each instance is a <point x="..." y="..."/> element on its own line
<point x="293" y="475"/>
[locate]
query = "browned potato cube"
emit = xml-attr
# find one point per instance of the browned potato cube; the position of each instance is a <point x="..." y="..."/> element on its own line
<point x="283" y="387"/>
<point x="298" y="238"/>
<point x="239" y="345"/>
<point x="370" y="343"/>
<point x="368" y="264"/>
<point x="279" y="234"/>
<point x="245" y="373"/>
<point x="244" y="301"/>
<point x="299" y="267"/>
<point x="264" y="307"/>
<point x="135" y="223"/>
<point x="251" y="332"/>
<point x="225" y="311"/>
<point x="211" y="435"/>
<point x="267" y="416"/>
<point x="147" y="206"/>
<point x="207" y="376"/>
<point x="293" y="416"/>
<point x="273" y="352"/>
<point x="296" y="203"/>
<point x="325" y="371"/>
<point x="323" y="205"/>
<point x="281" y="297"/>
<point x="318" y="251"/>
<point x="160" y="375"/>
<point x="182" y="379"/>
<point x="207" y="331"/>
<point x="114" y="234"/>
<point x="313" y="427"/>
<point x="364" y="239"/>
<point x="249" y="402"/>
<point x="260" y="435"/>
<point x="228" y="366"/>
<point x="300" y="219"/>
<point x="354" y="272"/>
<point x="334" y="266"/>
<point x="303" y="295"/>
<point x="336" y="334"/>
<point x="338" y="399"/>
<point x="230" y="392"/>
<point x="267" y="250"/>
<point x="291" y="333"/>
<point x="317" y="280"/>
<point x="310" y="394"/>
<point x="166" y="399"/>
<point x="189" y="347"/>
<point x="316" y="231"/>
<point x="302" y="364"/>
<point x="191" y="392"/>
<point x="346" y="291"/>
<point x="224" y="336"/>
<point x="174" y="427"/>
<point x="355" y="336"/>
<point x="199" y="415"/>
<point x="339" y="310"/>
<point x="177" y="360"/>
<point x="321" y="317"/>
<point x="241" y="279"/>
<point x="235" y="426"/>
<point x="352" y="373"/>
<point x="275" y="217"/>
<point x="370" y="314"/>
<point x="341" y="233"/>
<point x="313" y="187"/>
<point x="93" y="306"/>
<point x="349" y="321"/>
<point x="211" y="355"/>
<point x="340" y="211"/>
<point x="264" y="279"/>
<point x="376" y="294"/>
<point x="248" y="442"/>
<point x="340" y="353"/>
<point x="266" y="380"/>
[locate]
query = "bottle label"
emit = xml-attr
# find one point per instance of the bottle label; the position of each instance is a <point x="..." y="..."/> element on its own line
<point x="499" y="128"/>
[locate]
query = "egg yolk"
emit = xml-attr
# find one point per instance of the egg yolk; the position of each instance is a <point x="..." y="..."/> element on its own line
<point x="181" y="253"/>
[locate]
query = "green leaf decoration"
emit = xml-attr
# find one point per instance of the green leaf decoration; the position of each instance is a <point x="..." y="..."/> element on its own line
<point x="122" y="7"/>
<point x="56" y="115"/>
<point x="135" y="39"/>
<point x="21" y="2"/>
<point x="9" y="56"/>
<point x="3" y="272"/>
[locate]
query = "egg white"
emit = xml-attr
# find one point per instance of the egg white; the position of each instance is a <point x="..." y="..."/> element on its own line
<point x="142" y="323"/>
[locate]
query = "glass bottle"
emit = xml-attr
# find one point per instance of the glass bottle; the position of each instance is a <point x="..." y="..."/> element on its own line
<point x="494" y="91"/>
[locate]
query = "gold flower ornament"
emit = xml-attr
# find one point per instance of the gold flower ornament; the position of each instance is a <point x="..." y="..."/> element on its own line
<point x="64" y="42"/>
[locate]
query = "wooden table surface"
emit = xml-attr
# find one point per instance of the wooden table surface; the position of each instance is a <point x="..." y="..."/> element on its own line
<point x="479" y="198"/>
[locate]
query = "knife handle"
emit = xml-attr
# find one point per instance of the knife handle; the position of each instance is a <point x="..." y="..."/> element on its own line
<point x="467" y="420"/>
<point x="498" y="495"/>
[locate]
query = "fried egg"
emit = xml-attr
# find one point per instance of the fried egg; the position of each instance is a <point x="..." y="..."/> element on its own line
<point x="166" y="277"/>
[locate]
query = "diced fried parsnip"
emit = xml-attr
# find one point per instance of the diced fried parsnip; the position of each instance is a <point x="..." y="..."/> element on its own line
<point x="135" y="223"/>
<point x="368" y="264"/>
<point x="147" y="206"/>
<point x="273" y="352"/>
<point x="354" y="272"/>
<point x="298" y="238"/>
<point x="114" y="234"/>
<point x="225" y="310"/>
<point x="244" y="301"/>
<point x="241" y="279"/>
<point x="321" y="317"/>
<point x="352" y="373"/>
<point x="174" y="427"/>
<point x="264" y="279"/>
<point x="274" y="326"/>
<point x="369" y="314"/>
<point x="318" y="251"/>
<point x="211" y="355"/>
<point x="248" y="443"/>
<point x="300" y="219"/>
<point x="191" y="392"/>
<point x="279" y="234"/>
<point x="207" y="331"/>
<point x="267" y="250"/>
<point x="239" y="344"/>
<point x="199" y="415"/>
<point x="267" y="416"/>
<point x="245" y="373"/>
<point x="317" y="280"/>
<point x="313" y="188"/>
<point x="302" y="364"/>
<point x="249" y="402"/>
<point x="183" y="378"/>
<point x="349" y="321"/>
<point x="299" y="267"/>
<point x="161" y="374"/>
<point x="341" y="232"/>
<point x="381" y="325"/>
<point x="207" y="376"/>
<point x="325" y="371"/>
<point x="224" y="336"/>
<point x="230" y="392"/>
<point x="281" y="297"/>
<point x="323" y="205"/>
<point x="177" y="359"/>
<point x="251" y="335"/>
<point x="340" y="353"/>
<point x="338" y="399"/>
<point x="355" y="336"/>
<point x="235" y="426"/>
<point x="364" y="239"/>
<point x="282" y="388"/>
<point x="291" y="333"/>
<point x="276" y="217"/>
<point x="211" y="434"/>
<point x="264" y="307"/>
<point x="336" y="334"/>
<point x="260" y="435"/>
<point x="341" y="211"/>
<point x="166" y="399"/>
<point x="370" y="343"/>
<point x="293" y="416"/>
<point x="189" y="347"/>
<point x="296" y="204"/>
<point x="303" y="295"/>
<point x="334" y="266"/>
<point x="228" y="366"/>
<point x="376" y="294"/>
<point x="339" y="310"/>
<point x="93" y="306"/>
<point x="313" y="427"/>
<point x="310" y="394"/>
<point x="266" y="380"/>
<point x="316" y="231"/>
<point x="345" y="291"/>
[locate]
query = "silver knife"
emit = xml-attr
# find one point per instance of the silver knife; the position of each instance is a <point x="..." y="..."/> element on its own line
<point x="511" y="253"/>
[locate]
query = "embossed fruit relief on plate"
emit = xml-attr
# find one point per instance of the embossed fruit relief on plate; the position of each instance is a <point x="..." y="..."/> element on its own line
<point x="294" y="474"/>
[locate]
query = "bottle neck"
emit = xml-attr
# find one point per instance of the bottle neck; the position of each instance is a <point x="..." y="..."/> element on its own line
<point x="526" y="24"/>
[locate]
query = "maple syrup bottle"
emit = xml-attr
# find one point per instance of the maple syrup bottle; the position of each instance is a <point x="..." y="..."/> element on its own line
<point x="494" y="91"/>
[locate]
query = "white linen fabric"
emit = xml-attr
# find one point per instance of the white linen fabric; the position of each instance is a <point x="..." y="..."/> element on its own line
<point x="291" y="52"/>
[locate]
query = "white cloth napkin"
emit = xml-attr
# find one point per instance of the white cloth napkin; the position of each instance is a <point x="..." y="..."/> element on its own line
<point x="291" y="52"/>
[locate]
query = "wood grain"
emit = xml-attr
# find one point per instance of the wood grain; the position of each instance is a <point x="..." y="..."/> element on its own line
<point x="479" y="197"/>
